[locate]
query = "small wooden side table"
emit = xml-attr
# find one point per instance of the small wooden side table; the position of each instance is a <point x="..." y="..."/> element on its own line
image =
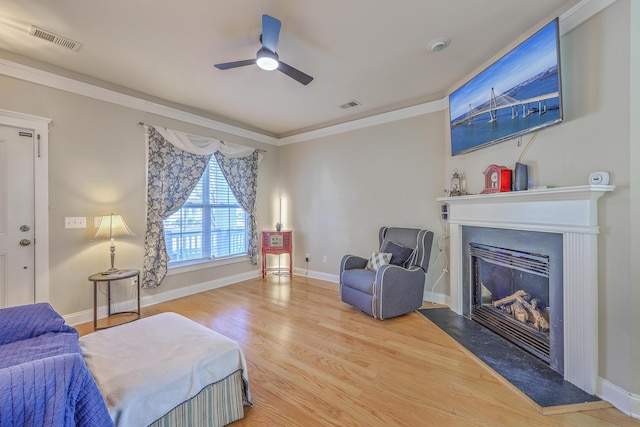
<point x="276" y="243"/>
<point x="112" y="277"/>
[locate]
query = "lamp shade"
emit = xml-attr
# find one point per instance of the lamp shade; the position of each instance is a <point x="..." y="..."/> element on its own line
<point x="111" y="226"/>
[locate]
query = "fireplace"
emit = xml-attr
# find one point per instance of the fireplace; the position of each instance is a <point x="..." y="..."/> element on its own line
<point x="559" y="224"/>
<point x="515" y="288"/>
<point x="512" y="300"/>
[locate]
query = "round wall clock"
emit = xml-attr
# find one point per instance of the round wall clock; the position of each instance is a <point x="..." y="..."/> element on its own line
<point x="497" y="179"/>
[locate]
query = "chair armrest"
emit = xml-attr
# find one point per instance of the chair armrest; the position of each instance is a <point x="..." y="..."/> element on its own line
<point x="351" y="262"/>
<point x="393" y="275"/>
<point x="400" y="290"/>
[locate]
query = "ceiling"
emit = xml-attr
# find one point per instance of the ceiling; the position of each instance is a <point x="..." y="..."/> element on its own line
<point x="373" y="51"/>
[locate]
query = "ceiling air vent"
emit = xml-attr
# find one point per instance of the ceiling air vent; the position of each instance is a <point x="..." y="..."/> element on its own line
<point x="54" y="38"/>
<point x="350" y="104"/>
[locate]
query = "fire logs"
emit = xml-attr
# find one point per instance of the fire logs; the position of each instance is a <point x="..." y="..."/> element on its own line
<point x="510" y="298"/>
<point x="526" y="310"/>
<point x="519" y="311"/>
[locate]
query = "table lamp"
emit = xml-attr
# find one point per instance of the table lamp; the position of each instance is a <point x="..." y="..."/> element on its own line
<point x="112" y="226"/>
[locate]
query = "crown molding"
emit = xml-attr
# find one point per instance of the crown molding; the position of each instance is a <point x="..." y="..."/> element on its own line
<point x="569" y="20"/>
<point x="45" y="78"/>
<point x="580" y="13"/>
<point x="391" y="116"/>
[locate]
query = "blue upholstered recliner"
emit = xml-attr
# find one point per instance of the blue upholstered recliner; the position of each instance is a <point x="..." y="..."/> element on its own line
<point x="397" y="286"/>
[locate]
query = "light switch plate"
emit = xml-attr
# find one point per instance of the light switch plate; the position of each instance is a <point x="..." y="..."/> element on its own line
<point x="75" y="222"/>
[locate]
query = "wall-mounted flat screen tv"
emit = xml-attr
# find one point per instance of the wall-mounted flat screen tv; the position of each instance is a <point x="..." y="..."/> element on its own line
<point x="519" y="93"/>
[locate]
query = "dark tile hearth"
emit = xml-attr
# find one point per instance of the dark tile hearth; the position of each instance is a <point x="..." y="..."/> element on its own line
<point x="527" y="373"/>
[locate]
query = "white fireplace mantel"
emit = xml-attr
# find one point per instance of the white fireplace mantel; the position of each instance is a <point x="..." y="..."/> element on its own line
<point x="571" y="211"/>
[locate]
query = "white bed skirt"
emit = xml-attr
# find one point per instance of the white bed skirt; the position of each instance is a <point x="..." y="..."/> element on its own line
<point x="146" y="368"/>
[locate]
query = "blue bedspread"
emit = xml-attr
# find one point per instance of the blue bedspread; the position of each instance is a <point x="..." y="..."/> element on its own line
<point x="44" y="380"/>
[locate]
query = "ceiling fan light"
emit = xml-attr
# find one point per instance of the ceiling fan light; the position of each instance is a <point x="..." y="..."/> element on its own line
<point x="267" y="60"/>
<point x="267" y="64"/>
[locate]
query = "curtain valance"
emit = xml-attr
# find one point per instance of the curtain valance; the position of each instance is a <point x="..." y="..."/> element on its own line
<point x="203" y="145"/>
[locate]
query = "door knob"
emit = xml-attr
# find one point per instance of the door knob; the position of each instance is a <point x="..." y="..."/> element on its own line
<point x="25" y="242"/>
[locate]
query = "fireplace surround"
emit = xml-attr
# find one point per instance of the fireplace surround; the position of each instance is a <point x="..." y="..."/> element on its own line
<point x="570" y="212"/>
<point x="499" y="264"/>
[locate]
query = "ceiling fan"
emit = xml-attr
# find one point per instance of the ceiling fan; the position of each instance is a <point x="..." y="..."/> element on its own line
<point x="267" y="58"/>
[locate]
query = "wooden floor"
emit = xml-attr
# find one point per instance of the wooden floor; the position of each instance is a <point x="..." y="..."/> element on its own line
<point x="314" y="361"/>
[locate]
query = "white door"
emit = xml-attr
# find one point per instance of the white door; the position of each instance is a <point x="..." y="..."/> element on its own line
<point x="17" y="255"/>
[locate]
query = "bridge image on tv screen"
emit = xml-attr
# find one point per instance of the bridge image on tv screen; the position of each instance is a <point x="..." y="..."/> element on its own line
<point x="519" y="93"/>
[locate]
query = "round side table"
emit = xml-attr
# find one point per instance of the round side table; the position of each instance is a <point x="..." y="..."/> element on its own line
<point x="109" y="277"/>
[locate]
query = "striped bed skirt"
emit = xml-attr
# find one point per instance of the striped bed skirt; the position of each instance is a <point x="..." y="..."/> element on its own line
<point x="216" y="405"/>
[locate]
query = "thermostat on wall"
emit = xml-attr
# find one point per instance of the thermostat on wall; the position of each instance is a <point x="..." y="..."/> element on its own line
<point x="599" y="178"/>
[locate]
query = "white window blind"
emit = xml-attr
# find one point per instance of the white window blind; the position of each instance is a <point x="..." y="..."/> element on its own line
<point x="211" y="224"/>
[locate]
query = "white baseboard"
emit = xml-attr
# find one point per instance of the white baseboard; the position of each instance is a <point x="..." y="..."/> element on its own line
<point x="433" y="297"/>
<point x="333" y="278"/>
<point x="437" y="298"/>
<point x="624" y="401"/>
<point x="147" y="300"/>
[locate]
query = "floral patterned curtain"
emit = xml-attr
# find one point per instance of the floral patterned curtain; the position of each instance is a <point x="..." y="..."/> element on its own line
<point x="242" y="175"/>
<point x="172" y="174"/>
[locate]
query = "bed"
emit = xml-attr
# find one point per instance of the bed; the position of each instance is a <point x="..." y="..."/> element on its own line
<point x="44" y="380"/>
<point x="167" y="370"/>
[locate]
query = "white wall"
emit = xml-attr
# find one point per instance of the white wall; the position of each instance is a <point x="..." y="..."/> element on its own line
<point x="634" y="161"/>
<point x="97" y="165"/>
<point x="343" y="188"/>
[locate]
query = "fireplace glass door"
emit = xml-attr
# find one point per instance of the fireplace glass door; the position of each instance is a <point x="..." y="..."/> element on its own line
<point x="510" y="295"/>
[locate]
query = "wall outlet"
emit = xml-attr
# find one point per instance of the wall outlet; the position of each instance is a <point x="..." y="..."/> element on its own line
<point x="306" y="257"/>
<point x="324" y="259"/>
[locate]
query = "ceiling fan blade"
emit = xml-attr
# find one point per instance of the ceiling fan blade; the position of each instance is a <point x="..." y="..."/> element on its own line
<point x="270" y="32"/>
<point x="267" y="53"/>
<point x="295" y="74"/>
<point x="236" y="64"/>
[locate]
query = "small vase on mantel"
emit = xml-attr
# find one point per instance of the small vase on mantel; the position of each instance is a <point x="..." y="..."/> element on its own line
<point x="521" y="177"/>
<point x="278" y="226"/>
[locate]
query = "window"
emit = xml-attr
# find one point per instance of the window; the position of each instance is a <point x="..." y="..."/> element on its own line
<point x="211" y="224"/>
